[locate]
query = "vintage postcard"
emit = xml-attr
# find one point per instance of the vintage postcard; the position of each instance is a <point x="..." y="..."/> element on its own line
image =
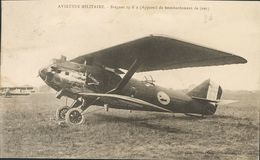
<point x="141" y="79"/>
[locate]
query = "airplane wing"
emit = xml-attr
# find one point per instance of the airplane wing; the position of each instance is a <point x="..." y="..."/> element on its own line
<point x="124" y="99"/>
<point x="159" y="53"/>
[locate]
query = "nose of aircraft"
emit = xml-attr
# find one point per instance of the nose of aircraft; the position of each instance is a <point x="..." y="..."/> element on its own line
<point x="46" y="74"/>
<point x="42" y="73"/>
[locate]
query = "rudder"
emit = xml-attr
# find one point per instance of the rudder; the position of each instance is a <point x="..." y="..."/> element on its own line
<point x="207" y="90"/>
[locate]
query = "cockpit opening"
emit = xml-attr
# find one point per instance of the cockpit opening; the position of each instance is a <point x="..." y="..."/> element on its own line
<point x="149" y="81"/>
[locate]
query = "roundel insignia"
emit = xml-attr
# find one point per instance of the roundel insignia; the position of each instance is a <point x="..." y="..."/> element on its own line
<point x="163" y="98"/>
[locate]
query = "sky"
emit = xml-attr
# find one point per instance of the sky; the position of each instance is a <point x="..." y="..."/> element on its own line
<point x="34" y="32"/>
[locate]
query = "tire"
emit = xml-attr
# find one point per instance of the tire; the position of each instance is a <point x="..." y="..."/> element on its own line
<point x="61" y="112"/>
<point x="74" y="117"/>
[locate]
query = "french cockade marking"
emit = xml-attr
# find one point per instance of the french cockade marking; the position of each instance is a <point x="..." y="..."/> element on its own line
<point x="163" y="98"/>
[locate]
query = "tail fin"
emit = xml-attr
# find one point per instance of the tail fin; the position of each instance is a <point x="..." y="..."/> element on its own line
<point x="207" y="90"/>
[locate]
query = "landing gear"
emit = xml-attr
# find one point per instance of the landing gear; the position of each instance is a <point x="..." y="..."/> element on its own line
<point x="61" y="112"/>
<point x="74" y="116"/>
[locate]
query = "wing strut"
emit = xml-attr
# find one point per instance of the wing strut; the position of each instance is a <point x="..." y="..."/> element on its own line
<point x="121" y="84"/>
<point x="135" y="65"/>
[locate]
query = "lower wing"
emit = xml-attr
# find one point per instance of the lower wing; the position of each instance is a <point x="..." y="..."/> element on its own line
<point x="134" y="101"/>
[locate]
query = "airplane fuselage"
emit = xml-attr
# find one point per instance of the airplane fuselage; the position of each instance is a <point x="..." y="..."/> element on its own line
<point x="75" y="78"/>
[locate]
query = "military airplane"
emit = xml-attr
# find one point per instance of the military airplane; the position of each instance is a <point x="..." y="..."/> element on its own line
<point x="16" y="91"/>
<point x="98" y="78"/>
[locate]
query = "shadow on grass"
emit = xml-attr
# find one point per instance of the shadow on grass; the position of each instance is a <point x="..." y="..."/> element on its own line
<point x="140" y="122"/>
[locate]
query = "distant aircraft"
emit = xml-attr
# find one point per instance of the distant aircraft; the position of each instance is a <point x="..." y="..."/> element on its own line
<point x="94" y="79"/>
<point x="16" y="91"/>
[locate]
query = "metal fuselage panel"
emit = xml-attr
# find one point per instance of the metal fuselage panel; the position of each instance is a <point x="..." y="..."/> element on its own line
<point x="175" y="101"/>
<point x="86" y="78"/>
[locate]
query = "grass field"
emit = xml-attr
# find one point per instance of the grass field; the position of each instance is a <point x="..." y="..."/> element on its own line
<point x="29" y="129"/>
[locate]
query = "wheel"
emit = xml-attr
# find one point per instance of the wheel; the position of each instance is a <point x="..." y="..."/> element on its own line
<point x="74" y="116"/>
<point x="61" y="112"/>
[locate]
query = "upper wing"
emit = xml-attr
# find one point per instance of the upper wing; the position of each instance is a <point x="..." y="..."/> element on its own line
<point x="159" y="53"/>
<point x="124" y="99"/>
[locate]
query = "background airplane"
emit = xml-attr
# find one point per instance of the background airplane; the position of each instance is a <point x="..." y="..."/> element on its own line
<point x="16" y="91"/>
<point x="96" y="78"/>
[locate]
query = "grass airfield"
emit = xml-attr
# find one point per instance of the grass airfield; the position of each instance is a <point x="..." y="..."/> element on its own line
<point x="29" y="129"/>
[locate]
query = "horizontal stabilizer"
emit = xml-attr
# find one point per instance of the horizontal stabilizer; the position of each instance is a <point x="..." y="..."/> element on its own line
<point x="224" y="102"/>
<point x="206" y="100"/>
<point x="219" y="102"/>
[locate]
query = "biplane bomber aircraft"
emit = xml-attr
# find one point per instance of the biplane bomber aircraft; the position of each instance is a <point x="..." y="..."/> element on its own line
<point x="98" y="78"/>
<point x="16" y="91"/>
